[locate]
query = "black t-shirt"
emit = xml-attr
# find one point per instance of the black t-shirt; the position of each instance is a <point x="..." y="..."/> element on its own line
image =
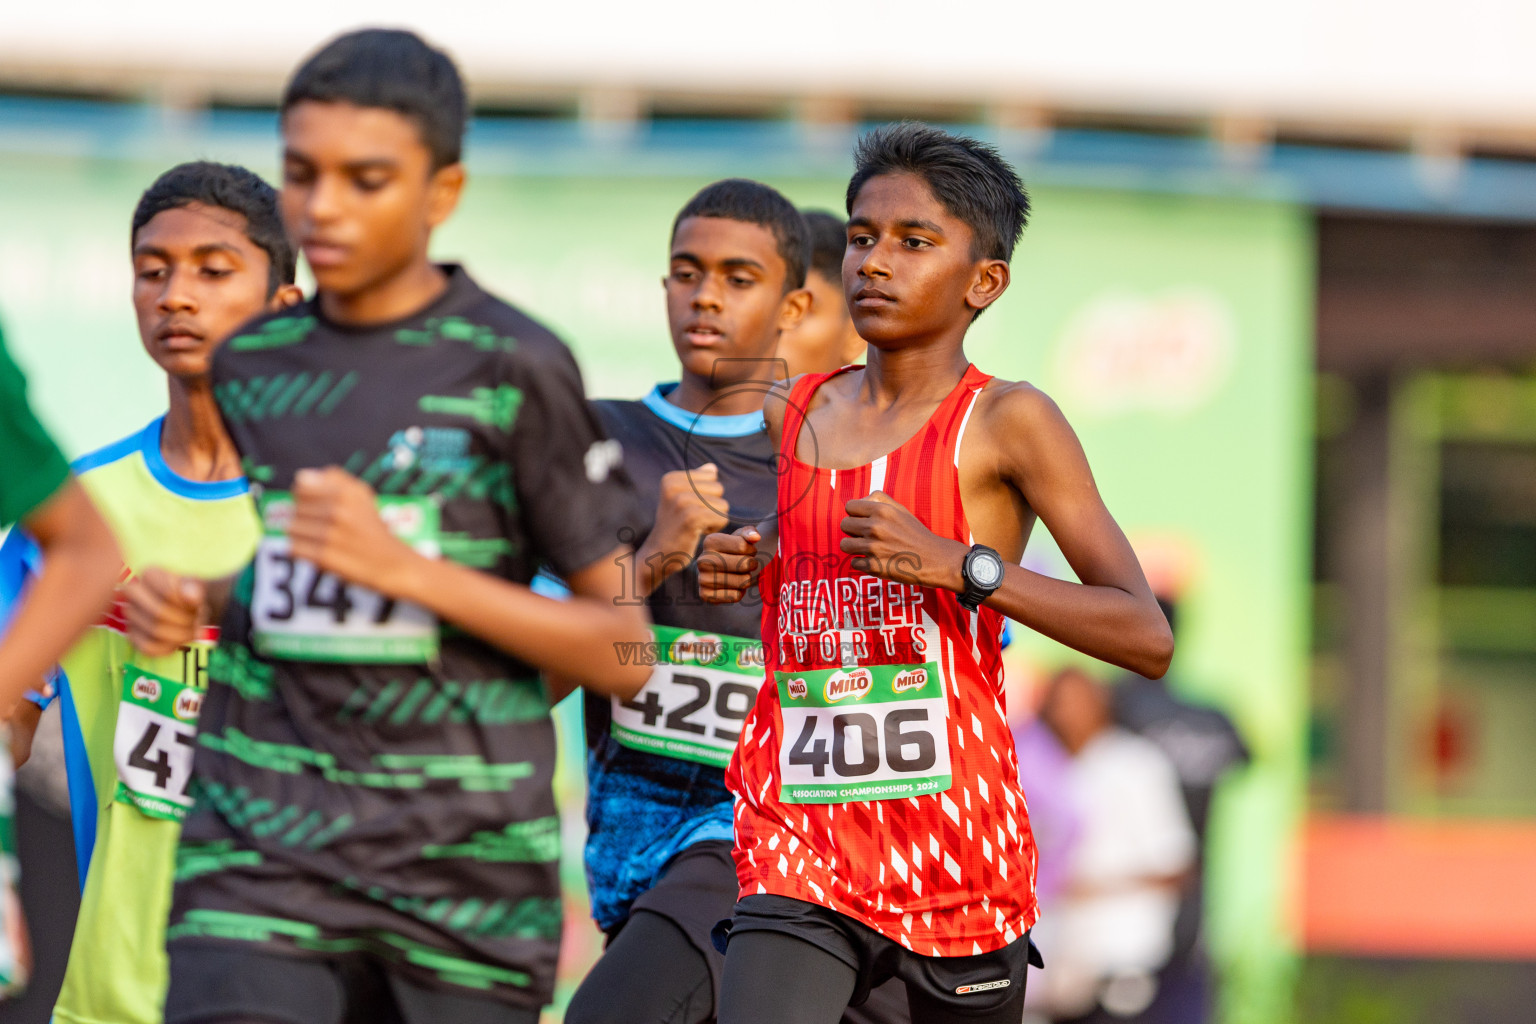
<point x="402" y="810"/>
<point x="658" y="438"/>
<point x="643" y="807"/>
<point x="1201" y="742"/>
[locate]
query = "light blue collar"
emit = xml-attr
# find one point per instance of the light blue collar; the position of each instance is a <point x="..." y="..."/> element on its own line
<point x="698" y="425"/>
<point x="165" y="476"/>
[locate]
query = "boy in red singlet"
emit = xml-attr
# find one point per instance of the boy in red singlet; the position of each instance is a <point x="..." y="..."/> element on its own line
<point x="881" y="829"/>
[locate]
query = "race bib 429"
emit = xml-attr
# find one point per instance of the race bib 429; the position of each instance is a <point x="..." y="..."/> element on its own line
<point x="299" y="612"/>
<point x="699" y="693"/>
<point x="879" y="732"/>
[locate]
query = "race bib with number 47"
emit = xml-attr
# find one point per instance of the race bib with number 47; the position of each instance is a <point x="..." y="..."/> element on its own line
<point x="699" y="693"/>
<point x="879" y="732"/>
<point x="301" y="613"/>
<point x="156" y="734"/>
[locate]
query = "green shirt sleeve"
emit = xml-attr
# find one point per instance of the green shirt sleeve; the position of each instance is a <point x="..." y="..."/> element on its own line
<point x="31" y="465"/>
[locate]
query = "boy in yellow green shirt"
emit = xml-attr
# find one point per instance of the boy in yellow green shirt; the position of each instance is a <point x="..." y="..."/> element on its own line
<point x="209" y="253"/>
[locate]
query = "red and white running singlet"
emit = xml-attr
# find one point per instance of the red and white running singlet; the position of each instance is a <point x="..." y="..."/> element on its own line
<point x="876" y="773"/>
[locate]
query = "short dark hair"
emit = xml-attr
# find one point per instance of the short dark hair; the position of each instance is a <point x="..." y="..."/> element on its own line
<point x="829" y="240"/>
<point x="226" y="187"/>
<point x="752" y="202"/>
<point x="394" y="70"/>
<point x="972" y="181"/>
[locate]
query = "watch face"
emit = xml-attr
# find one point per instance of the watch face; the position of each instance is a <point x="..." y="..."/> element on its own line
<point x="986" y="569"/>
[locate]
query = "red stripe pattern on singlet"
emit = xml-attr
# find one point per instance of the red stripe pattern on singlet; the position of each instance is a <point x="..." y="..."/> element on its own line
<point x="947" y="873"/>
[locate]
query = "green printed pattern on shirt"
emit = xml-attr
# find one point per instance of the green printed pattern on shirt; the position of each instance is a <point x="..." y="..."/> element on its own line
<point x="278" y="333"/>
<point x="482" y="702"/>
<point x="283" y="394"/>
<point x="470" y="771"/>
<point x="456" y="328"/>
<point x="197" y="859"/>
<point x="238" y="667"/>
<point x="495" y="407"/>
<point x="525" y="842"/>
<point x="533" y="917"/>
<point x="224" y="924"/>
<point x="480" y="478"/>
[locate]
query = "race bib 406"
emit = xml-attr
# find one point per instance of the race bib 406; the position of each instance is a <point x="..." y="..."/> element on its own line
<point x="879" y="732"/>
<point x="299" y="612"/>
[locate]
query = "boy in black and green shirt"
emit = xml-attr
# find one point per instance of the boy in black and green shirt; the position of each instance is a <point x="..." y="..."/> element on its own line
<point x="375" y="831"/>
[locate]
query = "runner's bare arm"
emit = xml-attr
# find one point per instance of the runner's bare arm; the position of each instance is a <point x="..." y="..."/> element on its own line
<point x="1111" y="614"/>
<point x="775" y="404"/>
<point x="80" y="567"/>
<point x="559" y="684"/>
<point x="1029" y="446"/>
<point x="336" y="525"/>
<point x="692" y="505"/>
<point x="23" y="727"/>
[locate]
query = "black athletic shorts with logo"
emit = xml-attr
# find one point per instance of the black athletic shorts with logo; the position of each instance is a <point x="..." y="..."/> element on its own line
<point x="803" y="962"/>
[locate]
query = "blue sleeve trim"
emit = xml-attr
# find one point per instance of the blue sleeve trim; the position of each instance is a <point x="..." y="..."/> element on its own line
<point x="82" y="785"/>
<point x="109" y="454"/>
<point x="740" y="425"/>
<point x="165" y="476"/>
<point x="147" y="444"/>
<point x="546" y="585"/>
<point x="19" y="561"/>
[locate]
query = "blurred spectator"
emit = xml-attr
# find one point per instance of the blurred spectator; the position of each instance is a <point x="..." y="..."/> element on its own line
<point x="1044" y="765"/>
<point x="1203" y="746"/>
<point x="1111" y="928"/>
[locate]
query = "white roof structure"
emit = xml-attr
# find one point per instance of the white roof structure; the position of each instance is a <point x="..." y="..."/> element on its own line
<point x="1430" y="73"/>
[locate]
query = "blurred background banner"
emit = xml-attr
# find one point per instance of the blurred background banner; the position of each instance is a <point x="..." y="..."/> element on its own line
<point x="1279" y="277"/>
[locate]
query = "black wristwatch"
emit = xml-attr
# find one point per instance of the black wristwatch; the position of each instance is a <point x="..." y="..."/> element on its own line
<point x="983" y="574"/>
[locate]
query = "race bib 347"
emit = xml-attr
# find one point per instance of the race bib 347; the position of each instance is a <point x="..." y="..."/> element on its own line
<point x="301" y="613"/>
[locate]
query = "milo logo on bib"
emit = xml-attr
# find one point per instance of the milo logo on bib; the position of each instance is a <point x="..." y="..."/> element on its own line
<point x="146" y="690"/>
<point x="846" y="685"/>
<point x="187" y="705"/>
<point x="877" y="732"/>
<point x="276" y="513"/>
<point x="696" y="649"/>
